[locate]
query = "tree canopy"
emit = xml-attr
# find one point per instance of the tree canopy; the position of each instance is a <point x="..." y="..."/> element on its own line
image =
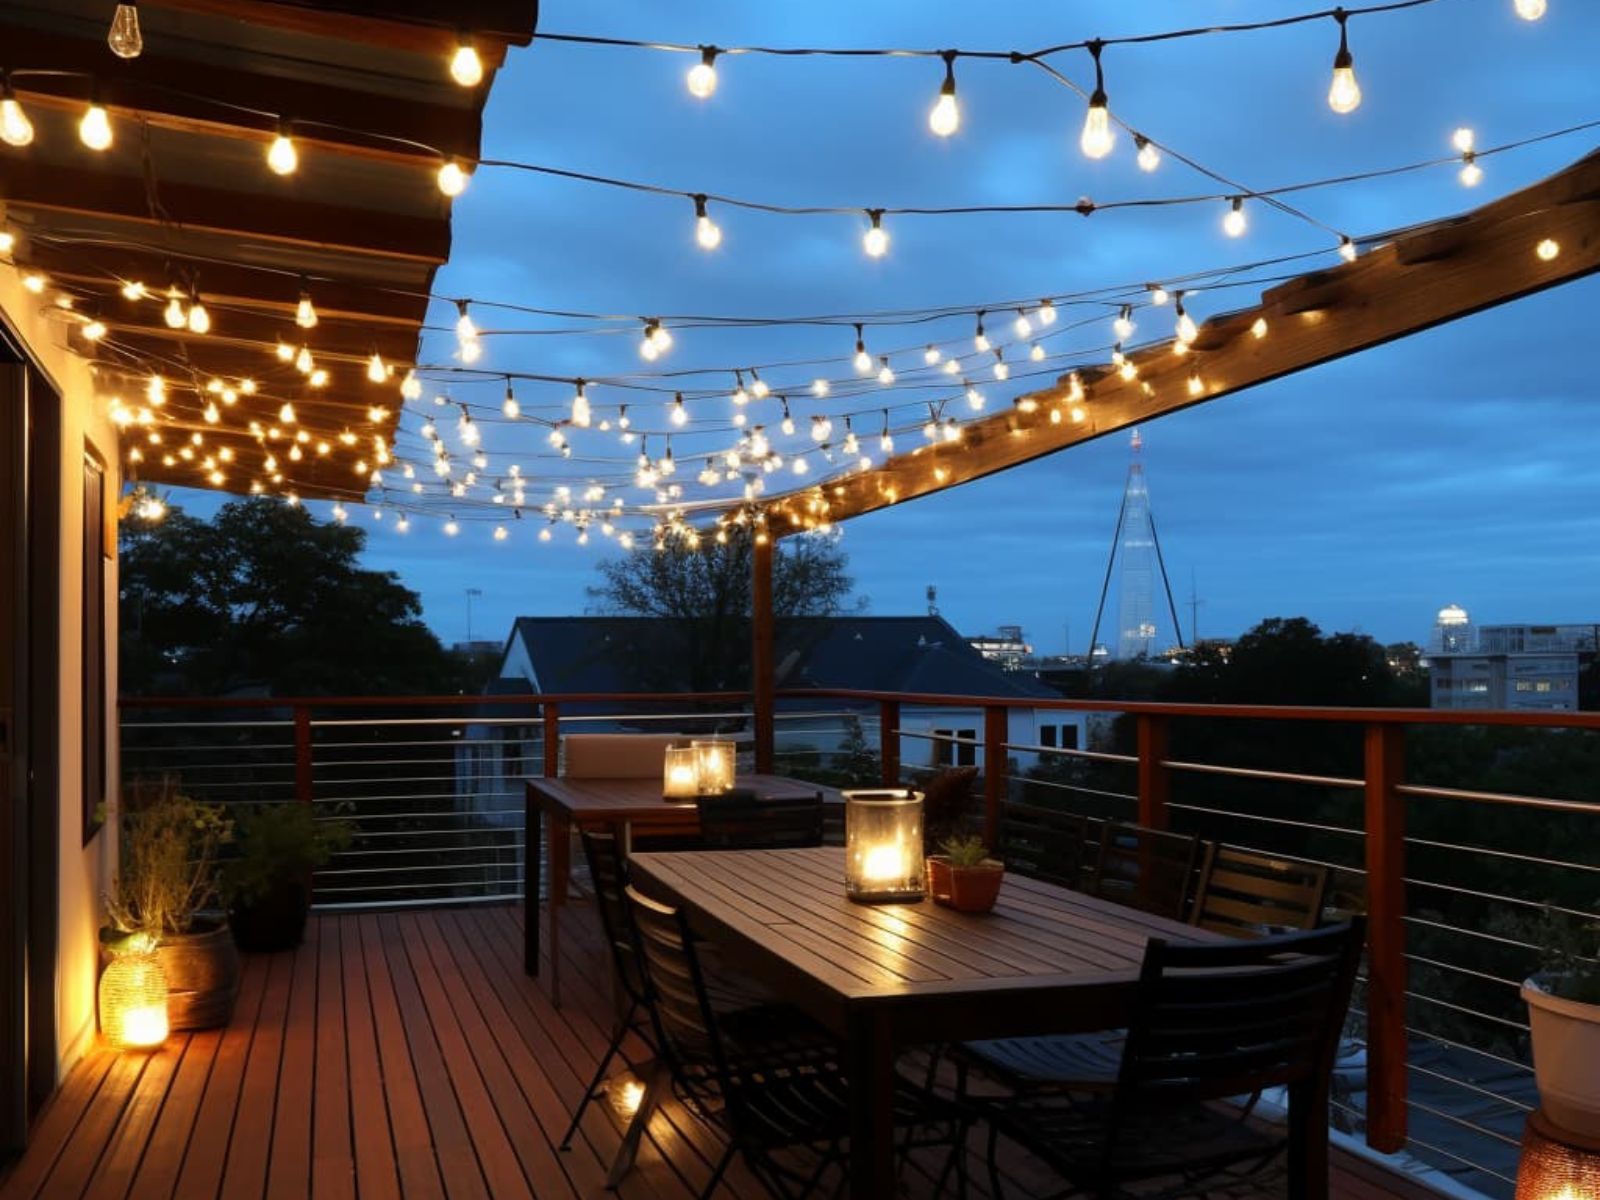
<point x="264" y="595"/>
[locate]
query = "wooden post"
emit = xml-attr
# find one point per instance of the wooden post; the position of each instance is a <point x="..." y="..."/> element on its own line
<point x="762" y="683"/>
<point x="1155" y="781"/>
<point x="552" y="740"/>
<point x="889" y="741"/>
<point x="1386" y="959"/>
<point x="302" y="754"/>
<point x="996" y="730"/>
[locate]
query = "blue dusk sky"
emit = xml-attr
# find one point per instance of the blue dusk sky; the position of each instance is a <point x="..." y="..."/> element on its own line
<point x="1459" y="465"/>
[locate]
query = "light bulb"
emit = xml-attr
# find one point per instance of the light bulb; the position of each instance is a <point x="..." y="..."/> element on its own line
<point x="886" y="442"/>
<point x="680" y="415"/>
<point x="94" y="130"/>
<point x="951" y="366"/>
<point x="282" y="156"/>
<point x="376" y="371"/>
<point x="1531" y="10"/>
<point x="124" y="38"/>
<point x="1196" y="386"/>
<point x="1347" y="249"/>
<point x="1471" y="173"/>
<point x="1097" y="138"/>
<point x="451" y="528"/>
<point x="1158" y="295"/>
<point x="862" y="361"/>
<point x="94" y="330"/>
<point x="821" y="427"/>
<point x="1149" y="157"/>
<point x="173" y="314"/>
<point x="305" y="313"/>
<point x="15" y="128"/>
<point x="875" y="241"/>
<point x="702" y="77"/>
<point x="302" y="361"/>
<point x="758" y="385"/>
<point x="410" y="386"/>
<point x="885" y="372"/>
<point x="1546" y="250"/>
<point x="1187" y="329"/>
<point x="945" y="116"/>
<point x="452" y="179"/>
<point x="1464" y="139"/>
<point x="819" y="387"/>
<point x="974" y="398"/>
<point x="1344" y="93"/>
<point x="199" y="318"/>
<point x="1022" y="327"/>
<point x="1002" y="369"/>
<point x="466" y="330"/>
<point x="1234" y="223"/>
<point x="132" y="290"/>
<point x="581" y="414"/>
<point x="1123" y="325"/>
<point x="1036" y="352"/>
<point x="1046" y="313"/>
<point x="787" y="424"/>
<point x="931" y="355"/>
<point x="1258" y="327"/>
<point x="707" y="233"/>
<point x="466" y="68"/>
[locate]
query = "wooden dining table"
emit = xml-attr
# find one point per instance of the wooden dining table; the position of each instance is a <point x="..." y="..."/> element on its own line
<point x="628" y="808"/>
<point x="885" y="977"/>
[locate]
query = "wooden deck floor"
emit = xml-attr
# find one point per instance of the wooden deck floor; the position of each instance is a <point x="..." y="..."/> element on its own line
<point x="395" y="1054"/>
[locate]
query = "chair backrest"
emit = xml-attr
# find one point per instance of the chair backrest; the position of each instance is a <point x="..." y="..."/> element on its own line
<point x="615" y="755"/>
<point x="1041" y="843"/>
<point x="740" y="820"/>
<point x="1148" y="869"/>
<point x="1214" y="1021"/>
<point x="1250" y="895"/>
<point x="675" y="988"/>
<point x="608" y="873"/>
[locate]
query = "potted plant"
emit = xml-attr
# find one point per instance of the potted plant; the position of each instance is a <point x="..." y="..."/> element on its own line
<point x="1564" y="1014"/>
<point x="166" y="878"/>
<point x="267" y="881"/>
<point x="964" y="877"/>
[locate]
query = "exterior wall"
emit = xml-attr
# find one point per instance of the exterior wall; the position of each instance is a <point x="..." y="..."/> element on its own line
<point x="85" y="870"/>
<point x="1540" y="682"/>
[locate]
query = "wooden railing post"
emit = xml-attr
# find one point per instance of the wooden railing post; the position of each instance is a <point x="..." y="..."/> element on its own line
<point x="552" y="739"/>
<point x="889" y="741"/>
<point x="1155" y="781"/>
<point x="302" y="754"/>
<point x="762" y="681"/>
<point x="996" y="732"/>
<point x="1386" y="959"/>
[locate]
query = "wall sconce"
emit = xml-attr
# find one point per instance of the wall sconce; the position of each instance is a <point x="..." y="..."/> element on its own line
<point x="133" y="997"/>
<point x="883" y="846"/>
<point x="681" y="773"/>
<point x="714" y="764"/>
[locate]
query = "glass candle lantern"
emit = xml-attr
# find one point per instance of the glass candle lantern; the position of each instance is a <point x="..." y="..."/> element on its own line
<point x="1556" y="1164"/>
<point x="681" y="774"/>
<point x="133" y="998"/>
<point x="714" y="763"/>
<point x="883" y="846"/>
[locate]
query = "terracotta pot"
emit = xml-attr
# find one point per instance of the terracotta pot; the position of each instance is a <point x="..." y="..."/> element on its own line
<point x="1566" y="1047"/>
<point x="965" y="889"/>
<point x="202" y="969"/>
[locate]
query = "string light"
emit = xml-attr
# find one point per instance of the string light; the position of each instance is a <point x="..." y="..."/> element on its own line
<point x="758" y="385"/>
<point x="15" y="128"/>
<point x="980" y="340"/>
<point x="975" y="398"/>
<point x="951" y="366"/>
<point x="1187" y="330"/>
<point x="581" y="413"/>
<point x="875" y="241"/>
<point x="885" y="372"/>
<point x="1234" y="223"/>
<point x="466" y="67"/>
<point x="1022" y="327"/>
<point x="1149" y="157"/>
<point x="509" y="407"/>
<point x="452" y="179"/>
<point x="679" y="414"/>
<point x="305" y="313"/>
<point x="1036" y="352"/>
<point x="1158" y="294"/>
<point x="656" y="340"/>
<point x="1347" y="248"/>
<point x="945" y="116"/>
<point x="94" y="130"/>
<point x="1344" y="93"/>
<point x="1531" y="10"/>
<point x="451" y="528"/>
<point x="821" y="428"/>
<point x="199" y="318"/>
<point x="862" y="360"/>
<point x="1098" y="137"/>
<point x="1548" y="249"/>
<point x="132" y="290"/>
<point x="1046" y="313"/>
<point x="819" y="387"/>
<point x="124" y="37"/>
<point x="1002" y="369"/>
<point x="173" y="314"/>
<point x="1465" y="141"/>
<point x="1196" y="386"/>
<point x="886" y="439"/>
<point x="282" y="158"/>
<point x="1258" y="328"/>
<point x="787" y="424"/>
<point x="1123" y="325"/>
<point x="702" y="77"/>
<point x="706" y="231"/>
<point x="95" y="329"/>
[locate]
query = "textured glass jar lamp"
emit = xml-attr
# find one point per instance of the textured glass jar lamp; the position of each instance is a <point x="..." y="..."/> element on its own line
<point x="680" y="778"/>
<point x="883" y="846"/>
<point x="714" y="764"/>
<point x="133" y="998"/>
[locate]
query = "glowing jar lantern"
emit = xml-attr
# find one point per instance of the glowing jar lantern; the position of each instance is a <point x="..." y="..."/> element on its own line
<point x="883" y="846"/>
<point x="681" y="773"/>
<point x="133" y="998"/>
<point x="714" y="766"/>
<point x="1557" y="1164"/>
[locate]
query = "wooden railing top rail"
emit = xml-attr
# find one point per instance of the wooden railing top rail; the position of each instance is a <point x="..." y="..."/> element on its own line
<point x="534" y="699"/>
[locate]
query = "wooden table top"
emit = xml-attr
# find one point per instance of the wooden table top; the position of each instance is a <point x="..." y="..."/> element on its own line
<point x="1046" y="959"/>
<point x="628" y="799"/>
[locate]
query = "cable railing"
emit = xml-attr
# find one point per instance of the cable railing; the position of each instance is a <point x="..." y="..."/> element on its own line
<point x="1449" y="859"/>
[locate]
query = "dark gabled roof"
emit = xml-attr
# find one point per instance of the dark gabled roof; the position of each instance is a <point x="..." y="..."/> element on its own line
<point x="896" y="654"/>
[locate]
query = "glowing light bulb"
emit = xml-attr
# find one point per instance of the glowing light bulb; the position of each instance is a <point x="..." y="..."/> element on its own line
<point x="410" y="386"/>
<point x="1149" y="157"/>
<point x="758" y="385"/>
<point x="980" y="340"/>
<point x="15" y="128"/>
<point x="1036" y="352"/>
<point x="819" y="387"/>
<point x="1546" y="250"/>
<point x="1234" y="223"/>
<point x="931" y="355"/>
<point x="1471" y="173"/>
<point x="451" y="528"/>
<point x="302" y="361"/>
<point x="951" y="366"/>
<point x="862" y="361"/>
<point x="875" y="241"/>
<point x="305" y="313"/>
<point x="679" y="415"/>
<point x="581" y="414"/>
<point x="156" y="391"/>
<point x="466" y="67"/>
<point x="451" y="178"/>
<point x="1531" y="10"/>
<point x="1022" y="327"/>
<point x="944" y="118"/>
<point x="94" y="330"/>
<point x="1002" y="369"/>
<point x="1464" y="139"/>
<point x="1123" y="325"/>
<point x="706" y="231"/>
<point x="132" y="290"/>
<point x="1347" y="249"/>
<point x="376" y="371"/>
<point x="886" y="442"/>
<point x="199" y="318"/>
<point x="1258" y="327"/>
<point x="94" y="130"/>
<point x="1046" y="313"/>
<point x="125" y="39"/>
<point x="702" y="77"/>
<point x="787" y="424"/>
<point x="282" y="157"/>
<point x="1344" y="93"/>
<point x="975" y="398"/>
<point x="885" y="372"/>
<point x="1097" y="138"/>
<point x="173" y="314"/>
<point x="1187" y="330"/>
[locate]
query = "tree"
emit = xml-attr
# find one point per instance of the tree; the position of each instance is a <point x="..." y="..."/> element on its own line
<point x="703" y="596"/>
<point x="265" y="595"/>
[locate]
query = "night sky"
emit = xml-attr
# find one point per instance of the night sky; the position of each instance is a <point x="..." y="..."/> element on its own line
<point x="1456" y="466"/>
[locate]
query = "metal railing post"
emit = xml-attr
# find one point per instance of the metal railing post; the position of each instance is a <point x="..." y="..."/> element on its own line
<point x="996" y="732"/>
<point x="889" y="741"/>
<point x="302" y="754"/>
<point x="552" y="739"/>
<point x="1386" y="959"/>
<point x="1155" y="780"/>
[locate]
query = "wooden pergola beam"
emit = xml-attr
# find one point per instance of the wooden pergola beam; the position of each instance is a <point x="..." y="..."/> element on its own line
<point x="417" y="26"/>
<point x="1422" y="278"/>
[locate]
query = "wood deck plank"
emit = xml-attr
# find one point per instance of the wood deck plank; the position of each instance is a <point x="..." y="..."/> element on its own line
<point x="56" y="1125"/>
<point x="250" y="1138"/>
<point x="289" y="1169"/>
<point x="366" y="1107"/>
<point x="333" y="1164"/>
<point x="114" y="1174"/>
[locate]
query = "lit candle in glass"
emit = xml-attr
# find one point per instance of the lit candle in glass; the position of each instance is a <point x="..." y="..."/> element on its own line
<point x="883" y="846"/>
<point x="681" y="774"/>
<point x="714" y="761"/>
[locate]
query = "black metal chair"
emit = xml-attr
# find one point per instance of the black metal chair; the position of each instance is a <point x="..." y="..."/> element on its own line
<point x="777" y="1094"/>
<point x="1152" y="870"/>
<point x="1250" y="895"/>
<point x="1042" y="843"/>
<point x="1207" y="1024"/>
<point x="741" y="820"/>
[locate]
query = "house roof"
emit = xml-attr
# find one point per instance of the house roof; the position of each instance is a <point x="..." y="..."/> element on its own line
<point x="897" y="654"/>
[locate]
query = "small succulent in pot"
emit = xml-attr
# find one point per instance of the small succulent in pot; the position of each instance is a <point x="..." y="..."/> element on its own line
<point x="267" y="882"/>
<point x="964" y="877"/>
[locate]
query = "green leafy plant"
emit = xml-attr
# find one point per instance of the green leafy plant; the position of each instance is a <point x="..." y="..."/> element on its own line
<point x="1571" y="949"/>
<point x="275" y="844"/>
<point x="965" y="852"/>
<point x="168" y="868"/>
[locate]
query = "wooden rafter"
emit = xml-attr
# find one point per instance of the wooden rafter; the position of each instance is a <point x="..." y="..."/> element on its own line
<point x="417" y="26"/>
<point x="1422" y="278"/>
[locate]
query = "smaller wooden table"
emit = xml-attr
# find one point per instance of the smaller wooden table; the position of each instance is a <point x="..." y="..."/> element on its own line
<point x="625" y="807"/>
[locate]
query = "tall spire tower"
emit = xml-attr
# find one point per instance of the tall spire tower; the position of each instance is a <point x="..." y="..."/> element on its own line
<point x="1138" y="549"/>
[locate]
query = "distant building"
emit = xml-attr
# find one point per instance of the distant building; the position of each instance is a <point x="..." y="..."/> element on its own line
<point x="1007" y="647"/>
<point x="1507" y="666"/>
